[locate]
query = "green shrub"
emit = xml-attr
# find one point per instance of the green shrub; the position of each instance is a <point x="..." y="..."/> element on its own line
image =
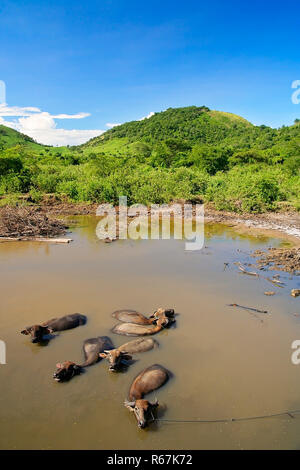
<point x="10" y="165"/>
<point x="244" y="191"/>
<point x="36" y="196"/>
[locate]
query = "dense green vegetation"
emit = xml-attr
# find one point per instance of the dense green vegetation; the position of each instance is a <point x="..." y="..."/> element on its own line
<point x="186" y="153"/>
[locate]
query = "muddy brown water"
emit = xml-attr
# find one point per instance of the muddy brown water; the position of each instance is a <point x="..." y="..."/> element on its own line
<point x="225" y="361"/>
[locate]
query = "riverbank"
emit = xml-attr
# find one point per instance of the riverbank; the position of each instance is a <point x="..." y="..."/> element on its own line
<point x="283" y="225"/>
<point x="276" y="224"/>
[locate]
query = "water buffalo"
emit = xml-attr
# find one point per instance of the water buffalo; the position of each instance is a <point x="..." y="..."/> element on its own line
<point x="67" y="322"/>
<point x="131" y="329"/>
<point x="91" y="348"/>
<point x="164" y="313"/>
<point x="131" y="316"/>
<point x="119" y="356"/>
<point x="148" y="380"/>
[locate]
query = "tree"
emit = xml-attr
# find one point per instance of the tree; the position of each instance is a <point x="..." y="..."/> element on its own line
<point x="210" y="159"/>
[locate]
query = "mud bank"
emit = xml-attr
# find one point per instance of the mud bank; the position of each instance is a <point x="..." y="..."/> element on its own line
<point x="282" y="225"/>
<point x="279" y="259"/>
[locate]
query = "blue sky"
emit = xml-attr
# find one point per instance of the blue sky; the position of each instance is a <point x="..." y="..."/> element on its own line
<point x="84" y="65"/>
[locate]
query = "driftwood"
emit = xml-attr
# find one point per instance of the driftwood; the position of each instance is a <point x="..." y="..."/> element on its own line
<point x="244" y="270"/>
<point x="274" y="281"/>
<point x="35" y="239"/>
<point x="251" y="311"/>
<point x="282" y="259"/>
<point x="248" y="308"/>
<point x="28" y="222"/>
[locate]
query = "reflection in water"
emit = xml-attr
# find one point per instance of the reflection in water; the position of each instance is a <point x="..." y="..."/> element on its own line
<point x="225" y="361"/>
<point x="86" y="225"/>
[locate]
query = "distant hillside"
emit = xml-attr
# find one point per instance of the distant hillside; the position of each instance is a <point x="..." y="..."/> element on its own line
<point x="187" y="153"/>
<point x="191" y="125"/>
<point x="194" y="126"/>
<point x="10" y="138"/>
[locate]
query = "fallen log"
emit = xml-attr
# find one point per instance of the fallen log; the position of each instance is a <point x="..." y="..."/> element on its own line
<point x="35" y="239"/>
<point x="274" y="281"/>
<point x="248" y="308"/>
<point x="245" y="271"/>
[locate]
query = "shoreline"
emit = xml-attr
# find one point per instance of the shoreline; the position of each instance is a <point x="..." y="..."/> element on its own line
<point x="283" y="225"/>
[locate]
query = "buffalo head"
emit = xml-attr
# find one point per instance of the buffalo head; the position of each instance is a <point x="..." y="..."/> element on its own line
<point x="115" y="358"/>
<point x="142" y="410"/>
<point x="167" y="316"/>
<point x="37" y="332"/>
<point x="66" y="370"/>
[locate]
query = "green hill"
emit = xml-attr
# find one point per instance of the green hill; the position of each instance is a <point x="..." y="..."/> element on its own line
<point x="187" y="153"/>
<point x="191" y="124"/>
<point x="10" y="138"/>
<point x="196" y="126"/>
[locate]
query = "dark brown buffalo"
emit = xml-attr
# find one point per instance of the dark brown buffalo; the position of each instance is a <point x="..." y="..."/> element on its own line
<point x="148" y="380"/>
<point x="132" y="316"/>
<point x="91" y="348"/>
<point x="117" y="357"/>
<point x="67" y="322"/>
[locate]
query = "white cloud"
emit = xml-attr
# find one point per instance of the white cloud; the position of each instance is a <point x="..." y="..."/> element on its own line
<point x="36" y="122"/>
<point x="15" y="111"/>
<point x="112" y="124"/>
<point x="71" y="116"/>
<point x="147" y="117"/>
<point x="61" y="137"/>
<point x="41" y="126"/>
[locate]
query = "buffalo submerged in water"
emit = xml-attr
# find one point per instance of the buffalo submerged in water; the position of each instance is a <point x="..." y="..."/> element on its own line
<point x="122" y="354"/>
<point x="132" y="316"/>
<point x="37" y="332"/>
<point x="132" y="329"/>
<point x="91" y="348"/>
<point x="147" y="381"/>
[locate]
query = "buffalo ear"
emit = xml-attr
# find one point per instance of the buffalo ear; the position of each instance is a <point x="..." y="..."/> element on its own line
<point x="59" y="365"/>
<point x="129" y="404"/>
<point x="103" y="355"/>
<point x="155" y="404"/>
<point x="25" y="332"/>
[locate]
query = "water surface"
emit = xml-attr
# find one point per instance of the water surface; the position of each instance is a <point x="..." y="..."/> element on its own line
<point x="226" y="362"/>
